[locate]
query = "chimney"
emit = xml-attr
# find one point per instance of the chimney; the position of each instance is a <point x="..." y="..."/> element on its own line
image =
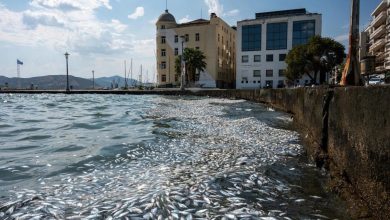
<point x="213" y="15"/>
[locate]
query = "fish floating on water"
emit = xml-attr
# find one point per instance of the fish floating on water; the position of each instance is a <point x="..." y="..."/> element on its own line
<point x="202" y="165"/>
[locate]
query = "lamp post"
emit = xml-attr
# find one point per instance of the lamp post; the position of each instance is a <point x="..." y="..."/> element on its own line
<point x="93" y="79"/>
<point x="67" y="73"/>
<point x="183" y="73"/>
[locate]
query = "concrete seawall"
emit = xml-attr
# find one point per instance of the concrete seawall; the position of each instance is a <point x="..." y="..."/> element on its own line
<point x="347" y="132"/>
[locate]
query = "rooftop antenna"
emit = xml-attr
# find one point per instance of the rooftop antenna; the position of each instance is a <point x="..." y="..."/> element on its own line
<point x="201" y="13"/>
<point x="166" y="5"/>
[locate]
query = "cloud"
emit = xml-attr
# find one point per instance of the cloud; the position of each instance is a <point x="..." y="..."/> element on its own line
<point x="214" y="7"/>
<point x="342" y="38"/>
<point x="153" y="21"/>
<point x="32" y="19"/>
<point x="71" y="4"/>
<point x="78" y="30"/>
<point x="232" y="13"/>
<point x="139" y="12"/>
<point x="185" y="19"/>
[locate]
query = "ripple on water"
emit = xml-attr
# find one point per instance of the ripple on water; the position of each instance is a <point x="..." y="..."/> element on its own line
<point x="35" y="138"/>
<point x="183" y="158"/>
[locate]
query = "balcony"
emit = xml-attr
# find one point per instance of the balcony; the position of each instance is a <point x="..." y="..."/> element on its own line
<point x="379" y="19"/>
<point x="380" y="57"/>
<point x="378" y="32"/>
<point x="377" y="45"/>
<point x="381" y="7"/>
<point x="379" y="68"/>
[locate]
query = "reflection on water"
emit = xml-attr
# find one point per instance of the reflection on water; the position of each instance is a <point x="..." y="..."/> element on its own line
<point x="153" y="157"/>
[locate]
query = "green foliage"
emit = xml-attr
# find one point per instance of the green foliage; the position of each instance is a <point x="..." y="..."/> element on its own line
<point x="318" y="56"/>
<point x="194" y="60"/>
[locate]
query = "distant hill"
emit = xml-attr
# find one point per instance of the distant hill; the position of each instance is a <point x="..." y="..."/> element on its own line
<point x="59" y="82"/>
<point x="107" y="81"/>
<point x="47" y="82"/>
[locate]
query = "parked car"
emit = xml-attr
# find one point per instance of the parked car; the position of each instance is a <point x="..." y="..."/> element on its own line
<point x="376" y="81"/>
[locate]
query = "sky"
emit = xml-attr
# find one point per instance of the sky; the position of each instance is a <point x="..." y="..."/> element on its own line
<point x="101" y="34"/>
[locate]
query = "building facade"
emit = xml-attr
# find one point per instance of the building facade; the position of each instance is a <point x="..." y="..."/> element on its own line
<point x="214" y="37"/>
<point x="375" y="39"/>
<point x="264" y="42"/>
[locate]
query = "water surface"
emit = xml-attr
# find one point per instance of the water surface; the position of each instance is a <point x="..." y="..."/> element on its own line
<point x="153" y="157"/>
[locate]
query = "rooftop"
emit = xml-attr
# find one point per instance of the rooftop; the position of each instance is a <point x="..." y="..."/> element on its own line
<point x="282" y="13"/>
<point x="166" y="17"/>
<point x="292" y="12"/>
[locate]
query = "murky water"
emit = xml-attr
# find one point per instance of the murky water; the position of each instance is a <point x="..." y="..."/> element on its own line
<point x="153" y="157"/>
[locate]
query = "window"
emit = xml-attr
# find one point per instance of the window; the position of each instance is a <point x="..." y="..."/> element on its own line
<point x="162" y="26"/>
<point x="197" y="37"/>
<point x="187" y="37"/>
<point x="269" y="84"/>
<point x="303" y="31"/>
<point x="270" y="58"/>
<point x="163" y="52"/>
<point x="163" y="39"/>
<point x="254" y="82"/>
<point x="282" y="73"/>
<point x="256" y="73"/>
<point x="269" y="73"/>
<point x="176" y="38"/>
<point x="245" y="59"/>
<point x="163" y="78"/>
<point x="277" y="36"/>
<point x="257" y="58"/>
<point x="163" y="65"/>
<point x="251" y="38"/>
<point x="218" y="37"/>
<point x="280" y="83"/>
<point x="197" y="48"/>
<point x="282" y="57"/>
<point x="176" y="51"/>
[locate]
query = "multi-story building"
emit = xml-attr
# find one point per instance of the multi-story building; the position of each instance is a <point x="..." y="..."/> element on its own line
<point x="263" y="43"/>
<point x="376" y="36"/>
<point x="214" y="37"/>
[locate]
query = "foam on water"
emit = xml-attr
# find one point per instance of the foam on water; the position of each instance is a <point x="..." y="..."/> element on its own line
<point x="192" y="158"/>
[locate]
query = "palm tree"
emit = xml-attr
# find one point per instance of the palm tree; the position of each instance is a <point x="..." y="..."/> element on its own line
<point x="194" y="60"/>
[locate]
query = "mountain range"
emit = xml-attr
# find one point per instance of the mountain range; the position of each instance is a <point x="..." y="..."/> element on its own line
<point x="59" y="82"/>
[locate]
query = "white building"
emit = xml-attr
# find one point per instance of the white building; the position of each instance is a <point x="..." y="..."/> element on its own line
<point x="263" y="43"/>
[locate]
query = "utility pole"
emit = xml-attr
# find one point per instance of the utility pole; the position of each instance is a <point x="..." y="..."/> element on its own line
<point x="351" y="74"/>
<point x="93" y="79"/>
<point x="67" y="72"/>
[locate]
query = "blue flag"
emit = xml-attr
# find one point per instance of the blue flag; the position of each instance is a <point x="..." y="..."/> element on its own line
<point x="19" y="62"/>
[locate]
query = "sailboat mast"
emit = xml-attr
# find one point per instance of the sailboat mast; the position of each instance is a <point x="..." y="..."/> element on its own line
<point x="125" y="75"/>
<point x="131" y="72"/>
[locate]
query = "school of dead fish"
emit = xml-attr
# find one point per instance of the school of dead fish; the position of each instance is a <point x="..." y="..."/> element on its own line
<point x="202" y="166"/>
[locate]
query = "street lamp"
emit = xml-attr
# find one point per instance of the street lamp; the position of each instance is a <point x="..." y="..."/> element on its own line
<point x="67" y="73"/>
<point x="93" y="79"/>
<point x="183" y="73"/>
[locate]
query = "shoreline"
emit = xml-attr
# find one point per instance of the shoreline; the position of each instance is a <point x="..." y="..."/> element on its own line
<point x="345" y="130"/>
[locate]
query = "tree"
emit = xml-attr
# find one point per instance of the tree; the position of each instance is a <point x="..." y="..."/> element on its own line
<point x="194" y="62"/>
<point x="318" y="57"/>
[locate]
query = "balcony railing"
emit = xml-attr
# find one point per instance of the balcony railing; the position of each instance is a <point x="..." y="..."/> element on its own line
<point x="378" y="32"/>
<point x="380" y="8"/>
<point x="379" y="19"/>
<point x="377" y="45"/>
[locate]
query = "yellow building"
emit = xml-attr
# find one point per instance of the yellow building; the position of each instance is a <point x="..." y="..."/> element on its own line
<point x="214" y="37"/>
